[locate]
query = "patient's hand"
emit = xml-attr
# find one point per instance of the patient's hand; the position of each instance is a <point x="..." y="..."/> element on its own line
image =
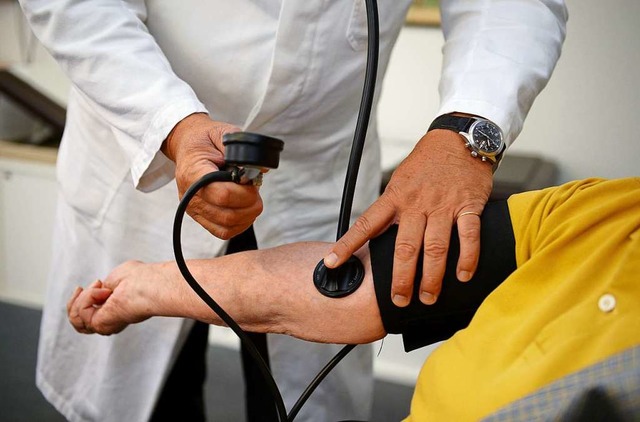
<point x="107" y="307"/>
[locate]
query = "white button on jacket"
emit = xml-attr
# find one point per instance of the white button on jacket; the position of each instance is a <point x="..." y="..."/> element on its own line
<point x="607" y="303"/>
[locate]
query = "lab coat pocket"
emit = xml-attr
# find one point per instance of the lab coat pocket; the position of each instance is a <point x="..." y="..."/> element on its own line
<point x="357" y="28"/>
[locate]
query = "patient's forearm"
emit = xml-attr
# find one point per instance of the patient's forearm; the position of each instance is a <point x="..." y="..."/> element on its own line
<point x="271" y="290"/>
<point x="264" y="291"/>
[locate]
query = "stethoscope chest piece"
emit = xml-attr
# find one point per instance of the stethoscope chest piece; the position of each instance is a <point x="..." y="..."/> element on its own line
<point x="341" y="281"/>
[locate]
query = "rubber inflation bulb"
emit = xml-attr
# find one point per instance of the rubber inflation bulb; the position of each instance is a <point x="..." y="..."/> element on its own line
<point x="341" y="281"/>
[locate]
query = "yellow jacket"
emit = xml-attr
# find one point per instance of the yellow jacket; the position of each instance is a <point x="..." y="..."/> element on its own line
<point x="573" y="301"/>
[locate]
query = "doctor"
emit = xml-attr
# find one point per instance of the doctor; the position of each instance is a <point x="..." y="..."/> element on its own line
<point x="155" y="84"/>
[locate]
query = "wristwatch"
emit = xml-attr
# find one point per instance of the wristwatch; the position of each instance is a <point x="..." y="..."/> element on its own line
<point x="483" y="137"/>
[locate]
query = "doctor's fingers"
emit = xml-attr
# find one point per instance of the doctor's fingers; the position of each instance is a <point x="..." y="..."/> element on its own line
<point x="468" y="223"/>
<point x="224" y="223"/>
<point x="227" y="207"/>
<point x="407" y="249"/>
<point x="436" y="246"/>
<point x="377" y="218"/>
<point x="230" y="195"/>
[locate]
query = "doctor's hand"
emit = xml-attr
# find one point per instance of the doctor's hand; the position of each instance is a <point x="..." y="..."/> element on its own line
<point x="195" y="145"/>
<point x="438" y="185"/>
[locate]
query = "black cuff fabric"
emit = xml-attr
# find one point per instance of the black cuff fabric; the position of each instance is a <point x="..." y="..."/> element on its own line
<point x="421" y="324"/>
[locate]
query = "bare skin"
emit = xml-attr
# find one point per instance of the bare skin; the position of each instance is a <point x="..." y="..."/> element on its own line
<point x="266" y="291"/>
<point x="437" y="182"/>
<point x="195" y="145"/>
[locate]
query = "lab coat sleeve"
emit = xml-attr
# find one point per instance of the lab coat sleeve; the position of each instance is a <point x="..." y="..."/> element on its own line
<point x="498" y="55"/>
<point x="114" y="63"/>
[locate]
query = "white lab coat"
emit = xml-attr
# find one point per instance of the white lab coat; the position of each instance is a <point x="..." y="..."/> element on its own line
<point x="290" y="69"/>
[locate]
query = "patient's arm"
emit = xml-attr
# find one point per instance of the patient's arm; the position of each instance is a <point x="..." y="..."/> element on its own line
<point x="264" y="291"/>
<point x="271" y="291"/>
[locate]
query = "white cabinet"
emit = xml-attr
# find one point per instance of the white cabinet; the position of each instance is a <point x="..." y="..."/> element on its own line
<point x="27" y="207"/>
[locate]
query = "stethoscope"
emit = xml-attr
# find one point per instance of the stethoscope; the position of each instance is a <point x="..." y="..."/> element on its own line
<point x="246" y="156"/>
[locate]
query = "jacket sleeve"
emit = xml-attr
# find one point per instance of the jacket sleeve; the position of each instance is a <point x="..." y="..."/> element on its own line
<point x="498" y="56"/>
<point x="115" y="64"/>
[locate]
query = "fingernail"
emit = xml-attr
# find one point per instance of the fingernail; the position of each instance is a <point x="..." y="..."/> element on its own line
<point x="330" y="260"/>
<point x="400" y="300"/>
<point x="464" y="276"/>
<point x="428" y="298"/>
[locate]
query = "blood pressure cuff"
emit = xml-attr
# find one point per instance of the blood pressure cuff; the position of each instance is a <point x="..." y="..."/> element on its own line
<point x="421" y="324"/>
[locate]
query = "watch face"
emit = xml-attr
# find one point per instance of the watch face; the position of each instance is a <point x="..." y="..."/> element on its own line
<point x="487" y="137"/>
